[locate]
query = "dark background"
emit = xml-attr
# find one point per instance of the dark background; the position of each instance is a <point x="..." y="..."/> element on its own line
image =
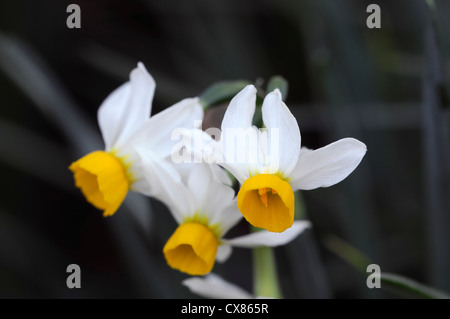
<point x="386" y="87"/>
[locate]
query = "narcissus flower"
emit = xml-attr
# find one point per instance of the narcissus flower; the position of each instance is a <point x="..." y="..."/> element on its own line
<point x="105" y="176"/>
<point x="205" y="209"/>
<point x="269" y="162"/>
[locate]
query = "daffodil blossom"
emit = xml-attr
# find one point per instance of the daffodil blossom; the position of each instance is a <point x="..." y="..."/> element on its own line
<point x="205" y="209"/>
<point x="105" y="176"/>
<point x="215" y="287"/>
<point x="270" y="163"/>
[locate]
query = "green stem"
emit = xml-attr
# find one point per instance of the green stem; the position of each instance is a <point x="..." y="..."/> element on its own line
<point x="265" y="279"/>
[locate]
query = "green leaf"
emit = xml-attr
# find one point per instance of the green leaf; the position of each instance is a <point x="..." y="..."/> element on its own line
<point x="221" y="91"/>
<point x="347" y="252"/>
<point x="408" y="285"/>
<point x="402" y="284"/>
<point x="278" y="82"/>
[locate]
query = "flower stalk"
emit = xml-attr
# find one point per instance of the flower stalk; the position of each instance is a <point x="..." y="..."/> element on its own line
<point x="265" y="278"/>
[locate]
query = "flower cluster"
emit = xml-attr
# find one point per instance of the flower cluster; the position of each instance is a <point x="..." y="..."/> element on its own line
<point x="269" y="163"/>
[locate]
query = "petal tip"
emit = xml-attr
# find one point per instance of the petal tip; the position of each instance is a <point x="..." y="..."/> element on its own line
<point x="249" y="89"/>
<point x="276" y="93"/>
<point x="142" y="70"/>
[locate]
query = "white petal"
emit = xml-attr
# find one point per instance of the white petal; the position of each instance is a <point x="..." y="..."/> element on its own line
<point x="270" y="239"/>
<point x="218" y="172"/>
<point x="201" y="184"/>
<point x="223" y="253"/>
<point x="200" y="147"/>
<point x="239" y="140"/>
<point x="283" y="133"/>
<point x="164" y="184"/>
<point x="126" y="108"/>
<point x="156" y="132"/>
<point x="328" y="165"/>
<point x="240" y="172"/>
<point x="194" y="146"/>
<point x="241" y="151"/>
<point x="227" y="216"/>
<point x="213" y="286"/>
<point x="221" y="175"/>
<point x="239" y="113"/>
<point x="184" y="169"/>
<point x="213" y="199"/>
<point x="304" y="150"/>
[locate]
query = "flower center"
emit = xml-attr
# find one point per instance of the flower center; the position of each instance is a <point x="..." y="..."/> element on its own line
<point x="263" y="194"/>
<point x="103" y="180"/>
<point x="191" y="249"/>
<point x="267" y="201"/>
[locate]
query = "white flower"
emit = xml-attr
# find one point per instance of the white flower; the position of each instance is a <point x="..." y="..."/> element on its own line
<point x="205" y="209"/>
<point x="105" y="177"/>
<point x="270" y="163"/>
